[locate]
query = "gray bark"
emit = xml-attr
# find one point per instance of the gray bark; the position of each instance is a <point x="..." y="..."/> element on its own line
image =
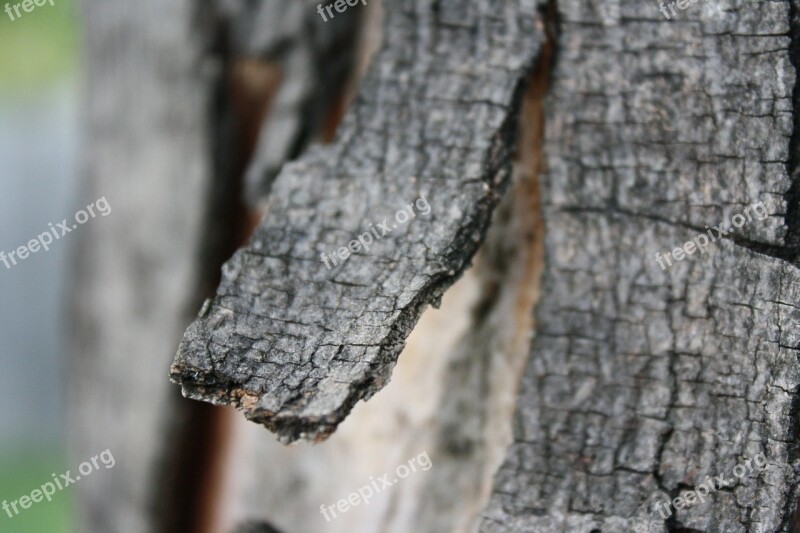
<point x="643" y="382"/>
<point x="294" y="345"/>
<point x="640" y="382"/>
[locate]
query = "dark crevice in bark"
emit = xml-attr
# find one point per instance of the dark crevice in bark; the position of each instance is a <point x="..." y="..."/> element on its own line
<point x="186" y="498"/>
<point x="791" y="518"/>
<point x="792" y="239"/>
<point x="552" y="30"/>
<point x="777" y="251"/>
<point x="672" y="524"/>
<point x="256" y="527"/>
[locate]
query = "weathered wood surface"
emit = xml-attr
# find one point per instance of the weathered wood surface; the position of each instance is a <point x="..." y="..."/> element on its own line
<point x="643" y="382"/>
<point x="295" y="345"/>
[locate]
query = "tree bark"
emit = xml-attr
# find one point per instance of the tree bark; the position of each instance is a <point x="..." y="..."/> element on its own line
<point x="295" y="345"/>
<point x="643" y="382"/>
<point x="640" y="383"/>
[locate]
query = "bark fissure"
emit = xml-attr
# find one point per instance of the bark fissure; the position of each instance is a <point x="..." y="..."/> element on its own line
<point x="778" y="251"/>
<point x="473" y="422"/>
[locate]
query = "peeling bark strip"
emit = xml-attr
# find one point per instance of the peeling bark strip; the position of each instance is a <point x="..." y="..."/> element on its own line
<point x="643" y="383"/>
<point x="296" y="346"/>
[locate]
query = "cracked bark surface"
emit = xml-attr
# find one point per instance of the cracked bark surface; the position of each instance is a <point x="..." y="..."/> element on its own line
<point x="643" y="382"/>
<point x="295" y="345"/>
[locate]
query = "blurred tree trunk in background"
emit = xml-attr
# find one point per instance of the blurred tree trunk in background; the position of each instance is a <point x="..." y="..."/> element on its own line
<point x="151" y="85"/>
<point x="634" y="134"/>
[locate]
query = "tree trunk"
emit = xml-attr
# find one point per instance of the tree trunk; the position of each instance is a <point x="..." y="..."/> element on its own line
<point x="618" y="134"/>
<point x="149" y="138"/>
<point x="643" y="382"/>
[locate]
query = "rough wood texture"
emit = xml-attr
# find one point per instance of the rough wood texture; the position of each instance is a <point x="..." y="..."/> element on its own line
<point x="452" y="394"/>
<point x="643" y="382"/>
<point x="295" y="345"/>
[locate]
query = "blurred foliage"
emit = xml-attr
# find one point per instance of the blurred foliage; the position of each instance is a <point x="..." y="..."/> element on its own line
<point x="39" y="47"/>
<point x="20" y="474"/>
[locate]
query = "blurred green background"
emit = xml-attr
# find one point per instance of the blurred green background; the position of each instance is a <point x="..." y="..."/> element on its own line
<point x="39" y="147"/>
<point x="40" y="47"/>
